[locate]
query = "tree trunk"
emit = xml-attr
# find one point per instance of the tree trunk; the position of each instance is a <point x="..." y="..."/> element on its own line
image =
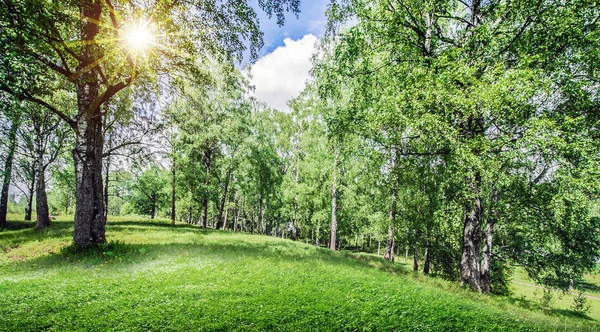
<point x="469" y="265"/>
<point x="260" y="216"/>
<point x="389" y="246"/>
<point x="107" y="178"/>
<point x="426" y="262"/>
<point x="486" y="286"/>
<point x="294" y="223"/>
<point x="173" y="188"/>
<point x="416" y="259"/>
<point x="90" y="221"/>
<point x="334" y="222"/>
<point x="223" y="199"/>
<point x="42" y="219"/>
<point x="12" y="141"/>
<point x="278" y="229"/>
<point x="225" y="218"/>
<point x="237" y="216"/>
<point x="204" y="212"/>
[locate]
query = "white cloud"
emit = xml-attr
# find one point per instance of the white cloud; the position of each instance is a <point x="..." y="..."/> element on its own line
<point x="280" y="75"/>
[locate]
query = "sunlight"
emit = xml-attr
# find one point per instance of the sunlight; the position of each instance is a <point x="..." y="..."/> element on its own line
<point x="139" y="37"/>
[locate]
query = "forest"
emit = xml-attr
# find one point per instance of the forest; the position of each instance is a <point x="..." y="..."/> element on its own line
<point x="459" y="139"/>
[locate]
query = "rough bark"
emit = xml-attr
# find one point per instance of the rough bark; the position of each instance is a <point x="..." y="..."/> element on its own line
<point x="42" y="219"/>
<point x="469" y="266"/>
<point x="12" y="141"/>
<point x="90" y="220"/>
<point x="487" y="249"/>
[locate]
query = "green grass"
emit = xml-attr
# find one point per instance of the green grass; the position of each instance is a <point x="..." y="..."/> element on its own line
<point x="156" y="277"/>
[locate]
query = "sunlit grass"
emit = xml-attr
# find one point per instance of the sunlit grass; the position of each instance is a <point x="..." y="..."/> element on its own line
<point x="158" y="277"/>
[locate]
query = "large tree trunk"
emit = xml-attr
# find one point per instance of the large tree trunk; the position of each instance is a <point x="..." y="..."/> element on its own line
<point x="42" y="219"/>
<point x="173" y="187"/>
<point x="469" y="266"/>
<point x="12" y="143"/>
<point x="90" y="220"/>
<point x="487" y="249"/>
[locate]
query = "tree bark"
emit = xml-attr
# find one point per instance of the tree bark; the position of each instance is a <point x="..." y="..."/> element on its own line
<point x="486" y="286"/>
<point x="223" y="199"/>
<point x="107" y="179"/>
<point x="389" y="246"/>
<point x="90" y="220"/>
<point x="416" y="259"/>
<point x="12" y="139"/>
<point x="237" y="216"/>
<point x="334" y="207"/>
<point x="469" y="266"/>
<point x="278" y="229"/>
<point x="294" y="223"/>
<point x="173" y="188"/>
<point x="42" y="219"/>
<point x="427" y="261"/>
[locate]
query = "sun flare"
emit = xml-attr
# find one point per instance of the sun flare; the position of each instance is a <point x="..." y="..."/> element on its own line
<point x="139" y="37"/>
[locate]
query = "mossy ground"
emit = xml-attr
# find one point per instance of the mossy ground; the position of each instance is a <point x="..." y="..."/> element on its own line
<point x="152" y="276"/>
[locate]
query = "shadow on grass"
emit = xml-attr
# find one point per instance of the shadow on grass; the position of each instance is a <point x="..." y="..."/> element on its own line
<point x="24" y="234"/>
<point x="152" y="224"/>
<point x="15" y="225"/>
<point x="535" y="306"/>
<point x="587" y="286"/>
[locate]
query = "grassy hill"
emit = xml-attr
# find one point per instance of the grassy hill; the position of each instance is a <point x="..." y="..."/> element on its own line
<point x="156" y="277"/>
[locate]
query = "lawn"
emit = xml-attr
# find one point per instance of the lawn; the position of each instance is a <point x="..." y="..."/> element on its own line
<point x="153" y="276"/>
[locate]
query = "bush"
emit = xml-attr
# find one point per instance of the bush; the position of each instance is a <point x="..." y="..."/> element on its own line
<point x="580" y="303"/>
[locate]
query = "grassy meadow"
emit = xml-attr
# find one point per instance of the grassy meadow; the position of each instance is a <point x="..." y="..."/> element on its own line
<point x="152" y="276"/>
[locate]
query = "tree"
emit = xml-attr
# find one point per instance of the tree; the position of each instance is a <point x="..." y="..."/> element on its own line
<point x="38" y="37"/>
<point x="148" y="193"/>
<point x="8" y="106"/>
<point x="464" y="86"/>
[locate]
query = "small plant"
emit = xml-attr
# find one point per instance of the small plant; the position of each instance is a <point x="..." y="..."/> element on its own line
<point x="547" y="299"/>
<point x="580" y="303"/>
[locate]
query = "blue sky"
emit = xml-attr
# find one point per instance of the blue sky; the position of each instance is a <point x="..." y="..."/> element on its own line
<point x="284" y="64"/>
<point x="311" y="20"/>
